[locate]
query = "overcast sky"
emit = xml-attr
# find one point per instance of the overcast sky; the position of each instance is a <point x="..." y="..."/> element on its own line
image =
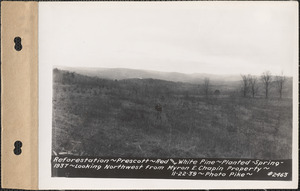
<point x="194" y="37"/>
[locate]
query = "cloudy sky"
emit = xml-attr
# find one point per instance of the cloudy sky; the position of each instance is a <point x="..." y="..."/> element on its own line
<point x="189" y="37"/>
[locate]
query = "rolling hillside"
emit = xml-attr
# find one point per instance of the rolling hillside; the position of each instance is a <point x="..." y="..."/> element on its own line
<point x="118" y="117"/>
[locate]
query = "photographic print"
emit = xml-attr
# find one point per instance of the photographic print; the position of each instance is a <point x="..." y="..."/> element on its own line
<point x="197" y="91"/>
<point x="121" y="112"/>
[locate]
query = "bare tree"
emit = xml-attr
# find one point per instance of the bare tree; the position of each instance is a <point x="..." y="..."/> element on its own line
<point x="279" y="81"/>
<point x="266" y="79"/>
<point x="253" y="85"/>
<point x="245" y="85"/>
<point x="206" y="86"/>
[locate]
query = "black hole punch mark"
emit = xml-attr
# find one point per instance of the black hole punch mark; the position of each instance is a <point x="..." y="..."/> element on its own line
<point x="18" y="44"/>
<point x="18" y="150"/>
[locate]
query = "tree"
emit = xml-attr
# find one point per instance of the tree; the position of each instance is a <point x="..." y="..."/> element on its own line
<point x="253" y="85"/>
<point x="217" y="92"/>
<point x="245" y="85"/>
<point x="279" y="81"/>
<point x="206" y="87"/>
<point x="266" y="79"/>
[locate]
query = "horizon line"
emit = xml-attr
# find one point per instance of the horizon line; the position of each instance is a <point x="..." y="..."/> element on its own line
<point x="150" y="70"/>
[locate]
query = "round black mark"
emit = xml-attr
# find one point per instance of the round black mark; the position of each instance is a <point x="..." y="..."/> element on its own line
<point x="18" y="44"/>
<point x="17" y="149"/>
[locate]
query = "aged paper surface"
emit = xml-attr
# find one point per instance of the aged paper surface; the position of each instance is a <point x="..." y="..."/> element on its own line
<point x="123" y="103"/>
<point x="19" y="94"/>
<point x="96" y="122"/>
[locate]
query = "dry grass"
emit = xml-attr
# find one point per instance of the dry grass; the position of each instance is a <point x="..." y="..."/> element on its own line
<point x="117" y="118"/>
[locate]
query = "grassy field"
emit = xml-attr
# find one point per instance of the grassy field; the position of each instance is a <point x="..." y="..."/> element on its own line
<point x="102" y="117"/>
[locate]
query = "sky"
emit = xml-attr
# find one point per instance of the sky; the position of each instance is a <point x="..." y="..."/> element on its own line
<point x="188" y="37"/>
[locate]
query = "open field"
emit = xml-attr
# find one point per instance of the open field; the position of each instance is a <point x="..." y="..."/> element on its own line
<point x="104" y="117"/>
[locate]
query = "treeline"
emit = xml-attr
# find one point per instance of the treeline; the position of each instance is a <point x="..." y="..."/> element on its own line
<point x="251" y="85"/>
<point x="255" y="86"/>
<point x="135" y="87"/>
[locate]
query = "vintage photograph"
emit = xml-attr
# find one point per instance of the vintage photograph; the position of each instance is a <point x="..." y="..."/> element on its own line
<point x="147" y="92"/>
<point x="196" y="86"/>
<point x="127" y="112"/>
<point x="207" y="83"/>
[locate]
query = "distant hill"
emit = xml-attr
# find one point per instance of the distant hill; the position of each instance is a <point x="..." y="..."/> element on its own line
<point x="182" y="81"/>
<point x="124" y="73"/>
